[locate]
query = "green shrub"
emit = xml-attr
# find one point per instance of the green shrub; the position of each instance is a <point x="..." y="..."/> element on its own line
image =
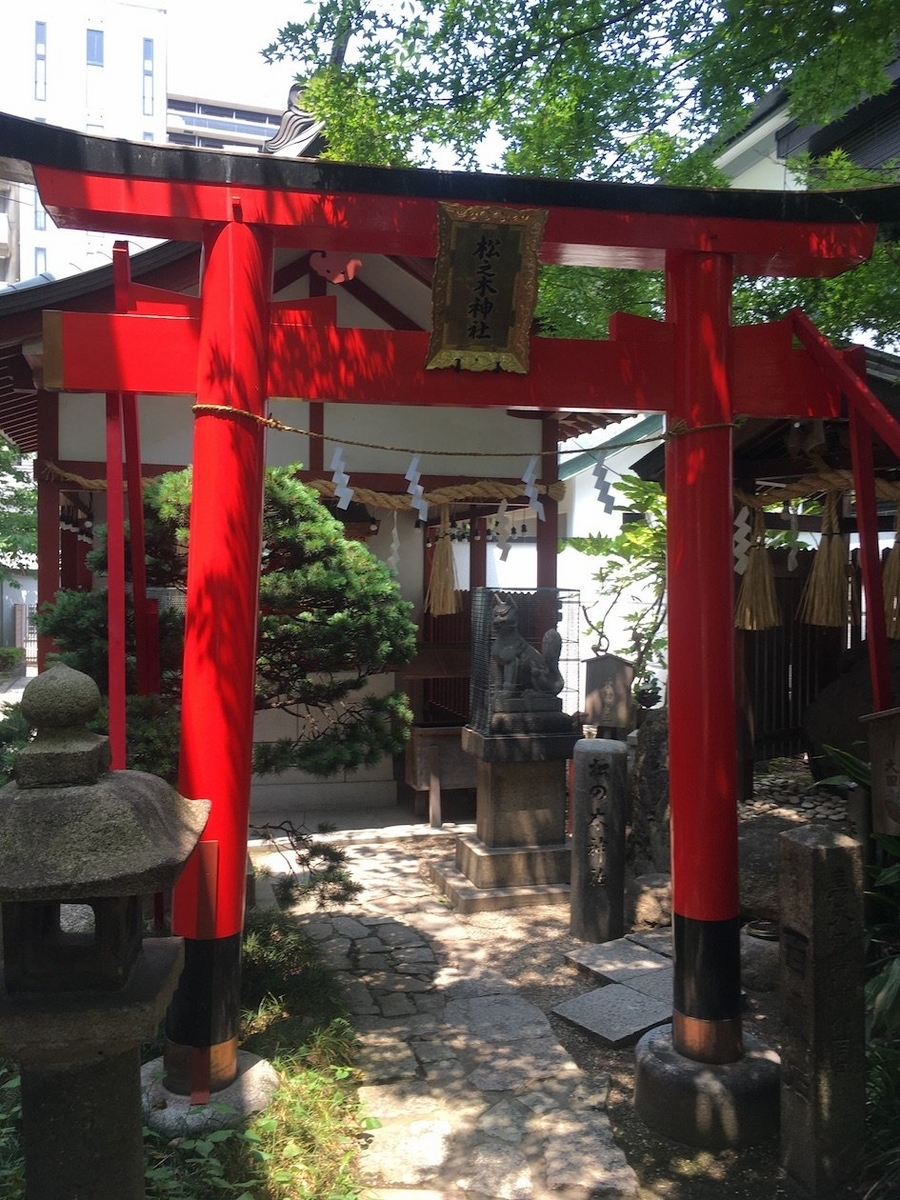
<point x="15" y="732"/>
<point x="11" y="657"/>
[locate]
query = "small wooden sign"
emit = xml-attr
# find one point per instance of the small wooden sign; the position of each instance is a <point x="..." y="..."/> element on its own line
<point x="485" y="287"/>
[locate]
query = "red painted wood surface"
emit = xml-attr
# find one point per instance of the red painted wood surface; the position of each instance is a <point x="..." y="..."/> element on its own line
<point x="702" y="768"/>
<point x="223" y="571"/>
<point x="547" y="531"/>
<point x="147" y="662"/>
<point x="839" y="371"/>
<point x="371" y="366"/>
<point x="861" y="452"/>
<point x="374" y="223"/>
<point x="115" y="588"/>
<point x="47" y="513"/>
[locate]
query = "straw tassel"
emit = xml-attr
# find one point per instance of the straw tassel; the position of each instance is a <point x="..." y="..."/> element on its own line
<point x="891" y="583"/>
<point x="825" y="599"/>
<point x="442" y="598"/>
<point x="756" y="607"/>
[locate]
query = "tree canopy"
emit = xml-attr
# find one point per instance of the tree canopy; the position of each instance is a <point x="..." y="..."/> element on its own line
<point x="634" y="90"/>
<point x="625" y="89"/>
<point x="18" y="512"/>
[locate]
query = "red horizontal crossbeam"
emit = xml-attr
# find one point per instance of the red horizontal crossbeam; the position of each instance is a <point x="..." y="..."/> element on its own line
<point x="369" y="222"/>
<point x="631" y="373"/>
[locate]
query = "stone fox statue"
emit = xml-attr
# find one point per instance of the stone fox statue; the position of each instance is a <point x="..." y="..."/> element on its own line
<point x="517" y="669"/>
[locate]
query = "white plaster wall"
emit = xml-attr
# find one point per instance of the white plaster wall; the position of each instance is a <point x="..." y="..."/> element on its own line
<point x="464" y="432"/>
<point x="292" y="793"/>
<point x="167" y="425"/>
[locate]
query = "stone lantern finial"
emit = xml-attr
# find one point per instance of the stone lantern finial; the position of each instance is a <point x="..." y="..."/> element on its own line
<point x="59" y="703"/>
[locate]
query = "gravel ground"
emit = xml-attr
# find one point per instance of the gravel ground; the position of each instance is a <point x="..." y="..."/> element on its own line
<point x="529" y="945"/>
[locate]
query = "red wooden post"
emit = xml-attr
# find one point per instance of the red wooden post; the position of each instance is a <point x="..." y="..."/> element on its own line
<point x="147" y="664"/>
<point x="115" y="588"/>
<point x="220" y="654"/>
<point x="47" y="511"/>
<point x="869" y="554"/>
<point x="547" y="532"/>
<point x="702" y="768"/>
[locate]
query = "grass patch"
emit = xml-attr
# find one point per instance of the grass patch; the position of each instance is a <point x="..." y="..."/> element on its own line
<point x="304" y="1145"/>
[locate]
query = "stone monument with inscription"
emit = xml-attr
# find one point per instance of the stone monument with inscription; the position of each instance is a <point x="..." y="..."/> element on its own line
<point x="821" y="883"/>
<point x="599" y="816"/>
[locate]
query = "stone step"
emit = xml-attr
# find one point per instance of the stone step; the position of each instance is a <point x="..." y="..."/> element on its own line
<point x="616" y="1014"/>
<point x="636" y="995"/>
<point x="619" y="961"/>
<point x="465" y="897"/>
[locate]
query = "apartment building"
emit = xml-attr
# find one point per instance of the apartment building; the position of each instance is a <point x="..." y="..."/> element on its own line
<point x="99" y="66"/>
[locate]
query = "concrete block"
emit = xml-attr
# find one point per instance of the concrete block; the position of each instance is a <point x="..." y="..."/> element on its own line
<point x="659" y="940"/>
<point x="509" y="866"/>
<point x="657" y="984"/>
<point x="619" y="961"/>
<point x="465" y="897"/>
<point x="616" y="1014"/>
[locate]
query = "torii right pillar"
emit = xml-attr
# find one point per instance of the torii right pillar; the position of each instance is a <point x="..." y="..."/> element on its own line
<point x="701" y="1080"/>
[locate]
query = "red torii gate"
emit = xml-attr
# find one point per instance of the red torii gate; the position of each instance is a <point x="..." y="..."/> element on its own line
<point x="235" y="348"/>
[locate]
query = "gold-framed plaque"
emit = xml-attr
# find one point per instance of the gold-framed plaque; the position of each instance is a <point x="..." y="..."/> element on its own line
<point x="485" y="287"/>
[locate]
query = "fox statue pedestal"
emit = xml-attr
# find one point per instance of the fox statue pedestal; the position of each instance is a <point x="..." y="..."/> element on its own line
<point x="520" y="842"/>
<point x="522" y="740"/>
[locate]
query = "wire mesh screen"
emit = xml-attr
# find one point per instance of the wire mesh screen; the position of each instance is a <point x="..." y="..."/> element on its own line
<point x="538" y="609"/>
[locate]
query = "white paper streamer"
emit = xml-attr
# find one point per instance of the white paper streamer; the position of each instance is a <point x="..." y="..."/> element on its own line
<point x="341" y="479"/>
<point x="416" y="490"/>
<point x="394" y="557"/>
<point x="503" y="526"/>
<point x="743" y="536"/>
<point x="528" y="478"/>
<point x="601" y="484"/>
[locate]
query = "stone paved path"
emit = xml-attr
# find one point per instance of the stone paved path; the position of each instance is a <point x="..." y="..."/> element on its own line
<point x="475" y="1097"/>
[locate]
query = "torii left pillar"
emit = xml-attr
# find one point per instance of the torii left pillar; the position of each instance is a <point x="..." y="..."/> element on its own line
<point x="220" y="653"/>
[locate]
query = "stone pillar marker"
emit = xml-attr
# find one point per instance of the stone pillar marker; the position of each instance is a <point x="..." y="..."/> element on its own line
<point x="599" y="813"/>
<point x="821" y="880"/>
<point x="75" y="1005"/>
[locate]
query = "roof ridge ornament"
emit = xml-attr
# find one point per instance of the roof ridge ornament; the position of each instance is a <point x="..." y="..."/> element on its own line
<point x="297" y="132"/>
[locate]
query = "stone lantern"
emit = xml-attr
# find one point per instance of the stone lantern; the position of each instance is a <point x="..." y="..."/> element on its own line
<point x="75" y="1003"/>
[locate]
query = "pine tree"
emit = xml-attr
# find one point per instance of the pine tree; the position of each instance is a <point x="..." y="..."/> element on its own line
<point x="331" y="617"/>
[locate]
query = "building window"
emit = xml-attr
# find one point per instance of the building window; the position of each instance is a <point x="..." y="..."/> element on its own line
<point x="40" y="260"/>
<point x="40" y="214"/>
<point x="95" y="47"/>
<point x="40" y="60"/>
<point x="148" y="77"/>
<point x="148" y="136"/>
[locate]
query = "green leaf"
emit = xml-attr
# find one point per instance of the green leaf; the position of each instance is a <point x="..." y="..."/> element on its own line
<point x="883" y="997"/>
<point x="852" y="765"/>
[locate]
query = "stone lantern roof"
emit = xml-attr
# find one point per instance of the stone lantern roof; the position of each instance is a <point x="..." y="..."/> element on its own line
<point x="71" y="829"/>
